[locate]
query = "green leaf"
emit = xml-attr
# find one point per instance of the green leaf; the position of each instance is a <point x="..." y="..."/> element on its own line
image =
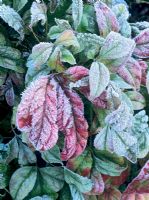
<point x="120" y="82"/>
<point x="141" y="131"/>
<point x="19" y="4"/>
<point x="137" y="99"/>
<point x="116" y="50"/>
<point x="2" y="39"/>
<point x="22" y="182"/>
<point x="67" y="56"/>
<point x="13" y="19"/>
<point x="77" y="12"/>
<point x="44" y="197"/>
<point x="99" y="78"/>
<point x="83" y="184"/>
<point x="82" y="164"/>
<point x="52" y="155"/>
<point x="38" y="13"/>
<point x="4" y="175"/>
<point x="39" y="56"/>
<point x="67" y="39"/>
<point x="10" y="58"/>
<point x="65" y="193"/>
<point x="109" y="164"/>
<point x="26" y="156"/>
<point x="13" y="150"/>
<point x="75" y="193"/>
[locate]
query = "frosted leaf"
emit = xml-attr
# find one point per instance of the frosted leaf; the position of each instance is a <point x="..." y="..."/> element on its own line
<point x="38" y="13"/>
<point x="142" y="44"/>
<point x="122" y="143"/>
<point x="77" y="12"/>
<point x="141" y="131"/>
<point x="37" y="113"/>
<point x="99" y="78"/>
<point x="120" y="119"/>
<point x="139" y="187"/>
<point x="106" y="19"/>
<point x="13" y="19"/>
<point x="116" y="50"/>
<point x="40" y="54"/>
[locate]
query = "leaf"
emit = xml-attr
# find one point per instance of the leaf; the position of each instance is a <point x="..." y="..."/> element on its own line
<point x="106" y="19"/>
<point x="77" y="12"/>
<point x="57" y="108"/>
<point x="10" y="58"/>
<point x="25" y="156"/>
<point x="147" y="82"/>
<point x="108" y="164"/>
<point x="137" y="99"/>
<point x="52" y="178"/>
<point x="98" y="184"/>
<point x="116" y="50"/>
<point x="39" y="56"/>
<point x="122" y="14"/>
<point x="67" y="56"/>
<point x="141" y="131"/>
<point x="13" y="150"/>
<point x="131" y="73"/>
<point x="120" y="82"/>
<point x="67" y="39"/>
<point x="83" y="184"/>
<point x="90" y="44"/>
<point x="117" y="136"/>
<point x="39" y="119"/>
<point x="65" y="193"/>
<point x="142" y="44"/>
<point x="138" y="188"/>
<point x="110" y="194"/>
<point x="9" y="93"/>
<point x="24" y="180"/>
<point x="4" y="175"/>
<point x="52" y="155"/>
<point x="44" y="197"/>
<point x="81" y="164"/>
<point x="99" y="78"/>
<point x="10" y="16"/>
<point x="38" y="13"/>
<point x="19" y="4"/>
<point x="75" y="193"/>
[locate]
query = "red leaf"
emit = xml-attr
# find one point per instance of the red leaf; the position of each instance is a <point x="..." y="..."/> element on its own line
<point x="37" y="113"/>
<point x="144" y="67"/>
<point x="131" y="73"/>
<point x="142" y="41"/>
<point x="77" y="72"/>
<point x="139" y="188"/>
<point x="110" y="194"/>
<point x="106" y="19"/>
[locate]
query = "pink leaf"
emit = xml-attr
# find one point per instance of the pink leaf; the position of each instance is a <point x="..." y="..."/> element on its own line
<point x="144" y="67"/>
<point x="142" y="41"/>
<point x="106" y="19"/>
<point x="131" y="73"/>
<point x="76" y="133"/>
<point x="77" y="72"/>
<point x="138" y="189"/>
<point x="37" y="113"/>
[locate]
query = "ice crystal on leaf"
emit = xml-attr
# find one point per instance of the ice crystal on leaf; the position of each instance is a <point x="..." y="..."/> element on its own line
<point x="45" y="108"/>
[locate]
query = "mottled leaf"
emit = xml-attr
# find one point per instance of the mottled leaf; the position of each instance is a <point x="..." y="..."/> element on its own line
<point x="83" y="184"/>
<point x="77" y="12"/>
<point x="22" y="182"/>
<point x="142" y="44"/>
<point x="116" y="50"/>
<point x="110" y="194"/>
<point x="39" y="56"/>
<point x="98" y="79"/>
<point x="4" y="175"/>
<point x="106" y="19"/>
<point x="38" y="13"/>
<point x="10" y="16"/>
<point x="81" y="164"/>
<point x="138" y="189"/>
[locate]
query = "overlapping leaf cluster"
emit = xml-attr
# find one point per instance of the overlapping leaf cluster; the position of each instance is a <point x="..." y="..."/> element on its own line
<point x="74" y="75"/>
